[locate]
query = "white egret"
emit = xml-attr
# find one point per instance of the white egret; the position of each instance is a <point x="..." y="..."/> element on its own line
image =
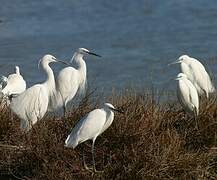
<point x="187" y="95"/>
<point x="91" y="126"/>
<point x="70" y="80"/>
<point x="31" y="105"/>
<point x="197" y="74"/>
<point x="15" y="83"/>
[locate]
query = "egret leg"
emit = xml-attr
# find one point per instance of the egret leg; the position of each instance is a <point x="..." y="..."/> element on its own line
<point x="94" y="166"/>
<point x="11" y="115"/>
<point x="85" y="165"/>
<point x="195" y="118"/>
<point x="64" y="110"/>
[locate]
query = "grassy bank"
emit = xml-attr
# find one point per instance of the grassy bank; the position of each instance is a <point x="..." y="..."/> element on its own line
<point x="149" y="141"/>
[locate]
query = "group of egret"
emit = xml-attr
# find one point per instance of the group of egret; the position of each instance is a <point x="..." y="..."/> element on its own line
<point x="31" y="104"/>
<point x="193" y="81"/>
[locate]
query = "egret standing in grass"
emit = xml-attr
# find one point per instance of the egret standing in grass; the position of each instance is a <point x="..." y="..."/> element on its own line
<point x="15" y="84"/>
<point x="197" y="74"/>
<point x="70" y="80"/>
<point x="31" y="105"/>
<point x="91" y="126"/>
<point x="187" y="95"/>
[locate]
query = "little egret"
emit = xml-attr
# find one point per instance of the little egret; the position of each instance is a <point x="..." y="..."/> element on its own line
<point x="15" y="83"/>
<point x="197" y="74"/>
<point x="70" y="80"/>
<point x="91" y="126"/>
<point x="31" y="105"/>
<point x="187" y="95"/>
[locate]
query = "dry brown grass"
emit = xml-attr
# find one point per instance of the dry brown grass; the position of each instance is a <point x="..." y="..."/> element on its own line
<point x="150" y="141"/>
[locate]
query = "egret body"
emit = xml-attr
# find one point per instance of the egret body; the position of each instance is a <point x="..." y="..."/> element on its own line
<point x="187" y="95"/>
<point x="15" y="83"/>
<point x="31" y="105"/>
<point x="197" y="74"/>
<point x="70" y="80"/>
<point x="91" y="126"/>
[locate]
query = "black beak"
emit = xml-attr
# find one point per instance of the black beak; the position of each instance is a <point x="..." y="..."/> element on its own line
<point x="63" y="62"/>
<point x="117" y="110"/>
<point x="94" y="54"/>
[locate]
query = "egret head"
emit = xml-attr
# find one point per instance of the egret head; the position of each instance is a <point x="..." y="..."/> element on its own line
<point x="111" y="107"/>
<point x="81" y="52"/>
<point x="183" y="58"/>
<point x="17" y="69"/>
<point x="46" y="59"/>
<point x="181" y="76"/>
<point x="86" y="51"/>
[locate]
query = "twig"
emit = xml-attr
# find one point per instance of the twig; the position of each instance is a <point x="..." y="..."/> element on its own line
<point x="12" y="146"/>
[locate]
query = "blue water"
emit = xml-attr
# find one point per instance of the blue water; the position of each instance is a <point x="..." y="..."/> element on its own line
<point x="137" y="39"/>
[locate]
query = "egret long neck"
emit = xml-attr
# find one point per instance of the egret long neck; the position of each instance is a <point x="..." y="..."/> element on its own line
<point x="109" y="119"/>
<point x="110" y="115"/>
<point x="50" y="82"/>
<point x="81" y="66"/>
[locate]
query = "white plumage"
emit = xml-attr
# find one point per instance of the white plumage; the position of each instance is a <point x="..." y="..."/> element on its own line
<point x="15" y="83"/>
<point x="70" y="80"/>
<point x="197" y="74"/>
<point x="187" y="95"/>
<point x="31" y="105"/>
<point x="91" y="126"/>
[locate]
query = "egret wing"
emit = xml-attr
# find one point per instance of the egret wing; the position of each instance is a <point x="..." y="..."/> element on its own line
<point x="67" y="86"/>
<point x="184" y="96"/>
<point x="108" y="122"/>
<point x="30" y="105"/>
<point x="87" y="128"/>
<point x="194" y="99"/>
<point x="15" y="85"/>
<point x="201" y="77"/>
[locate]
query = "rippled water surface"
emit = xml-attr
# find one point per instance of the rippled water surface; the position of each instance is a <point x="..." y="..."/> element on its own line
<point x="137" y="39"/>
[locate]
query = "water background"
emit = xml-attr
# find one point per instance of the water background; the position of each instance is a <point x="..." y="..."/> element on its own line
<point x="137" y="39"/>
